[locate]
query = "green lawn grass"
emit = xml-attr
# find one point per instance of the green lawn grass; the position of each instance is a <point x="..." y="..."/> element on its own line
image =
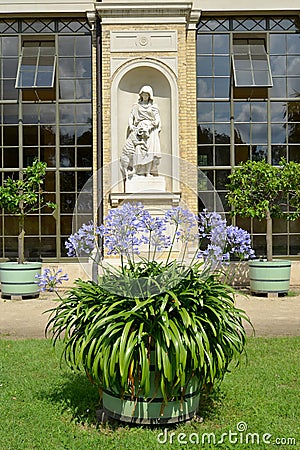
<point x="46" y="407"/>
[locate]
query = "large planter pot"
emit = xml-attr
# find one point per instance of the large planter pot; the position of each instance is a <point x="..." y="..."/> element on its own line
<point x="152" y="411"/>
<point x="19" y="279"/>
<point x="269" y="276"/>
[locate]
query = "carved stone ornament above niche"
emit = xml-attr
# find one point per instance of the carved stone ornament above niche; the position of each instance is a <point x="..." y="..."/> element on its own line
<point x="137" y="41"/>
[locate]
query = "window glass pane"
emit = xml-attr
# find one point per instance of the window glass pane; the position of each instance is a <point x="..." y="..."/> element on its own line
<point x="82" y="178"/>
<point x="84" y="135"/>
<point x="9" y="46"/>
<point x="67" y="89"/>
<point x="204" y="111"/>
<point x="278" y="152"/>
<point x="278" y="65"/>
<point x="293" y="87"/>
<point x="259" y="152"/>
<point x="66" y="68"/>
<point x="204" y="44"/>
<point x="280" y="246"/>
<point x="47" y="113"/>
<point x="221" y="65"/>
<point x="242" y="153"/>
<point x="278" y="133"/>
<point x="30" y="135"/>
<point x="66" y="224"/>
<point x="66" y="45"/>
<point x="205" y="156"/>
<point x="293" y="43"/>
<point x="9" y="90"/>
<point x="259" y="133"/>
<point x="294" y="132"/>
<point x="223" y="156"/>
<point x="83" y="89"/>
<point x="205" y="134"/>
<point x="84" y="157"/>
<point x="83" y="68"/>
<point x="242" y="111"/>
<point x="83" y="46"/>
<point x="278" y="112"/>
<point x="10" y="114"/>
<point x="67" y="181"/>
<point x="48" y="156"/>
<point x="279" y="88"/>
<point x="11" y="157"/>
<point x="293" y="65"/>
<point x="222" y="178"/>
<point x="277" y="44"/>
<point x="10" y="67"/>
<point x="295" y="245"/>
<point x="222" y="112"/>
<point x="243" y="78"/>
<point x="221" y="43"/>
<point x="67" y="134"/>
<point x="67" y="157"/>
<point x="242" y="133"/>
<point x="259" y="111"/>
<point x="242" y="62"/>
<point x="204" y="87"/>
<point x="67" y="203"/>
<point x="294" y="153"/>
<point x="262" y="78"/>
<point x="204" y="65"/>
<point x="47" y="135"/>
<point x="222" y="133"/>
<point x="293" y="111"/>
<point x="221" y="87"/>
<point x="10" y="136"/>
<point x="44" y="79"/>
<point x="67" y="113"/>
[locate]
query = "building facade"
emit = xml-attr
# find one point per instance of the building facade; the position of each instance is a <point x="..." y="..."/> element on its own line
<point x="70" y="71"/>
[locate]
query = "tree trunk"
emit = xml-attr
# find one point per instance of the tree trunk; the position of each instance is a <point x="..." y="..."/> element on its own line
<point x="269" y="236"/>
<point x="21" y="257"/>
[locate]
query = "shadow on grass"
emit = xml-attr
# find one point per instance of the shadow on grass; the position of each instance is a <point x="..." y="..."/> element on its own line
<point x="77" y="398"/>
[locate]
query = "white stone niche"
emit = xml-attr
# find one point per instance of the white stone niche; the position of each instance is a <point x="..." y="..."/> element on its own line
<point x="129" y="76"/>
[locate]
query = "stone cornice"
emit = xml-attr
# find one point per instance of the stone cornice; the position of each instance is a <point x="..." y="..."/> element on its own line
<point x="120" y="12"/>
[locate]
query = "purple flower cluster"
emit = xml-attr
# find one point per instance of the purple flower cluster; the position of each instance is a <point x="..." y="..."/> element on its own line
<point x="50" y="279"/>
<point x="238" y="243"/>
<point x="84" y="241"/>
<point x="222" y="241"/>
<point x="127" y="228"/>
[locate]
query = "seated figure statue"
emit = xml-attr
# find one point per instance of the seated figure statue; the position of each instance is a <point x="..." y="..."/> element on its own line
<point x="141" y="153"/>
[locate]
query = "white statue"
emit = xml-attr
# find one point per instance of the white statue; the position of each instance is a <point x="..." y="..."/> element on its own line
<point x="141" y="153"/>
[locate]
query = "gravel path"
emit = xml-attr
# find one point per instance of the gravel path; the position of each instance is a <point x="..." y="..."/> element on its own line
<point x="280" y="316"/>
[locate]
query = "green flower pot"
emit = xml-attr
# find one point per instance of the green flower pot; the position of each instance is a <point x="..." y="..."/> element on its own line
<point x="270" y="276"/>
<point x="152" y="411"/>
<point x="19" y="279"/>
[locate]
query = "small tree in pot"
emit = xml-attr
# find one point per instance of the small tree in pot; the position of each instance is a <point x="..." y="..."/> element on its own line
<point x="258" y="189"/>
<point x="22" y="197"/>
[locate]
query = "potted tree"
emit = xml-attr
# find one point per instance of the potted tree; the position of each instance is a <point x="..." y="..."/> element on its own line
<point x="22" y="197"/>
<point x="257" y="189"/>
<point x="152" y="335"/>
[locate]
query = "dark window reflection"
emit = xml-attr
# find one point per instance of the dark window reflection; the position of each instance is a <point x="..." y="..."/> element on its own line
<point x="205" y="156"/>
<point x="67" y="156"/>
<point x="67" y="181"/>
<point x="223" y="156"/>
<point x="84" y="157"/>
<point x="222" y="178"/>
<point x="67" y="202"/>
<point x="278" y="152"/>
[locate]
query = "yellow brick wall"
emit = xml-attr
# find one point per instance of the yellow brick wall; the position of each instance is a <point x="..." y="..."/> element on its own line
<point x="187" y="122"/>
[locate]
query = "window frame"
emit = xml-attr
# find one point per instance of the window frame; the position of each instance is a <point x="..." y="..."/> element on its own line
<point x="248" y="54"/>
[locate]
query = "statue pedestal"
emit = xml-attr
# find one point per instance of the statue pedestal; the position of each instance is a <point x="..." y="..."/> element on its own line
<point x="140" y="183"/>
